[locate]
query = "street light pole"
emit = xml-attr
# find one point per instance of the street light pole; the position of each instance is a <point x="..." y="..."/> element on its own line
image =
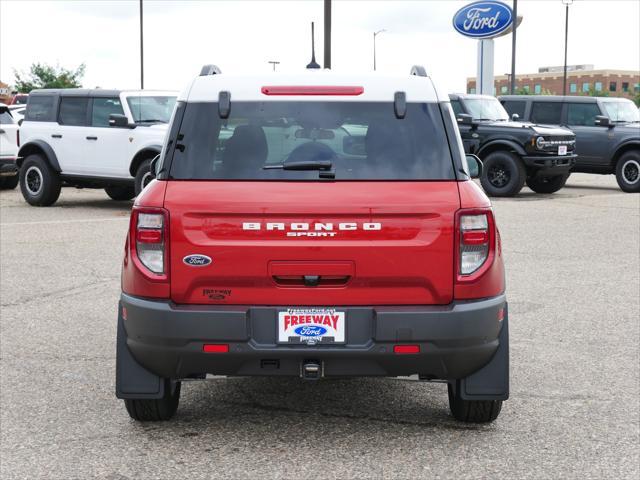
<point x="513" y="47"/>
<point x="566" y="37"/>
<point x="375" y="34"/>
<point x="274" y="63"/>
<point x="141" y="51"/>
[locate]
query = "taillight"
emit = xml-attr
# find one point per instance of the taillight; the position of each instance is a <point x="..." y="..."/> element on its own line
<point x="475" y="242"/>
<point x="149" y="235"/>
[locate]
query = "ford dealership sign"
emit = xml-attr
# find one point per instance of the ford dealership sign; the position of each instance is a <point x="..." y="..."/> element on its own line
<point x="483" y="19"/>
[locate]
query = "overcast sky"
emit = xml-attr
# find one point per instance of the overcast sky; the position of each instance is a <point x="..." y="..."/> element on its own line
<point x="242" y="35"/>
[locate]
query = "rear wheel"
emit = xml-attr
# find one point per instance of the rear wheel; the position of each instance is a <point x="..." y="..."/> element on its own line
<point x="628" y="172"/>
<point x="503" y="174"/>
<point x="143" y="175"/>
<point x="547" y="183"/>
<point x="9" y="183"/>
<point x="156" y="410"/>
<point x="120" y="193"/>
<point x="473" y="411"/>
<point x="39" y="183"/>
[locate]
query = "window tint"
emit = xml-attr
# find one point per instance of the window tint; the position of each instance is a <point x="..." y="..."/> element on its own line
<point x="582" y="113"/>
<point x="362" y="140"/>
<point x="515" y="106"/>
<point x="457" y="107"/>
<point x="40" y="108"/>
<point x="102" y="108"/>
<point x="73" y="111"/>
<point x="546" y="112"/>
<point x="612" y="86"/>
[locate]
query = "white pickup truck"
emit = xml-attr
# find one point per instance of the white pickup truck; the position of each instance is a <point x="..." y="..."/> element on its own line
<point x="91" y="139"/>
<point x="8" y="149"/>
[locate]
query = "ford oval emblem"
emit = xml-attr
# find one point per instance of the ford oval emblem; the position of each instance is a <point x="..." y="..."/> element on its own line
<point x="483" y="19"/>
<point x="310" y="331"/>
<point x="197" y="260"/>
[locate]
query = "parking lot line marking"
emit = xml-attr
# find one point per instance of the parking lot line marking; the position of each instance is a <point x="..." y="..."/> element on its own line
<point x="75" y="220"/>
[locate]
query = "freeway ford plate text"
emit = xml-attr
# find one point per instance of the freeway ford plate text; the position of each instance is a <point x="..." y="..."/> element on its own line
<point x="311" y="325"/>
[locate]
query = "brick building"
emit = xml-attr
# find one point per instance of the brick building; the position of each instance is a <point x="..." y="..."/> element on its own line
<point x="581" y="79"/>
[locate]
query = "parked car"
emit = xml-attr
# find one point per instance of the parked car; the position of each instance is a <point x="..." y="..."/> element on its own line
<point x="607" y="131"/>
<point x="8" y="149"/>
<point x="313" y="225"/>
<point x="19" y="99"/>
<point x="91" y="139"/>
<point x="513" y="153"/>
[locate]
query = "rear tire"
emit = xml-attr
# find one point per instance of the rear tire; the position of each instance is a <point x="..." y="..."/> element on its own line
<point x="9" y="183"/>
<point x="547" y="183"/>
<point x="628" y="172"/>
<point x="156" y="410"/>
<point x="39" y="183"/>
<point x="473" y="411"/>
<point x="503" y="174"/>
<point x="143" y="175"/>
<point x="120" y="193"/>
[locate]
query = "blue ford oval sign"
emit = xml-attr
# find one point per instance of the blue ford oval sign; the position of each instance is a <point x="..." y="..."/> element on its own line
<point x="197" y="260"/>
<point x="483" y="19"/>
<point x="310" y="331"/>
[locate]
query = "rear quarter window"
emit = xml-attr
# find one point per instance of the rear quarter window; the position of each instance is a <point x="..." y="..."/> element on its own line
<point x="362" y="140"/>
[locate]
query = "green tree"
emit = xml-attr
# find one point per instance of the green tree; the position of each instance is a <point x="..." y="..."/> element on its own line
<point x="596" y="93"/>
<point x="41" y="75"/>
<point x="637" y="99"/>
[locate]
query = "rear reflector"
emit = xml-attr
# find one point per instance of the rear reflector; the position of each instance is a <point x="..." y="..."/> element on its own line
<point x="215" y="348"/>
<point x="311" y="90"/>
<point x="406" y="349"/>
<point x="149" y="236"/>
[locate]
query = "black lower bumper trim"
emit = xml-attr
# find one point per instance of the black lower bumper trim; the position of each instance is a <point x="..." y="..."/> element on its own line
<point x="455" y="340"/>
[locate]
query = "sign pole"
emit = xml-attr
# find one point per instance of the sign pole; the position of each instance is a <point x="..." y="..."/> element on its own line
<point x="513" y="47"/>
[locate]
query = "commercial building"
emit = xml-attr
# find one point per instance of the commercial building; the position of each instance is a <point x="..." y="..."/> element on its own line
<point x="581" y="80"/>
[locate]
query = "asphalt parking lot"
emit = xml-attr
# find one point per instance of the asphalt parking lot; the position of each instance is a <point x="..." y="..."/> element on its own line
<point x="573" y="274"/>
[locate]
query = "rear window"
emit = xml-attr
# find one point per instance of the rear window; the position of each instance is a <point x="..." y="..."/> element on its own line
<point x="41" y="108"/>
<point x="360" y="140"/>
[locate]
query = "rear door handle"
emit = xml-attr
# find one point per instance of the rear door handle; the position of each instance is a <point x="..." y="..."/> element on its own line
<point x="56" y="135"/>
<point x="92" y="138"/>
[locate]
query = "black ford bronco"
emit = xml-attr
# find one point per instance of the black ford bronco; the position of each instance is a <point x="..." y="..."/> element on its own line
<point x="513" y="152"/>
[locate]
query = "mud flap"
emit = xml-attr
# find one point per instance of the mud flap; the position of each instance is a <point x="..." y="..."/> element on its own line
<point x="491" y="382"/>
<point x="133" y="381"/>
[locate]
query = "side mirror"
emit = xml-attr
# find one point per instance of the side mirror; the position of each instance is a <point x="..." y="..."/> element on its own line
<point x="118" y="120"/>
<point x="515" y="117"/>
<point x="603" y="121"/>
<point x="475" y="165"/>
<point x="464" y="119"/>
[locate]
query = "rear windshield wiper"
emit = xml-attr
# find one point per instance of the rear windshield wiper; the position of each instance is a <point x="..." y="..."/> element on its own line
<point x="322" y="165"/>
<point x="151" y="120"/>
<point x="325" y="167"/>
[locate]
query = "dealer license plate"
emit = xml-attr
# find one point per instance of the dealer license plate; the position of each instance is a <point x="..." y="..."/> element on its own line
<point x="562" y="150"/>
<point x="311" y="326"/>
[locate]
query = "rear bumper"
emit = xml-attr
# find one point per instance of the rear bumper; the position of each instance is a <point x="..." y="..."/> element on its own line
<point x="8" y="166"/>
<point x="550" y="163"/>
<point x="455" y="340"/>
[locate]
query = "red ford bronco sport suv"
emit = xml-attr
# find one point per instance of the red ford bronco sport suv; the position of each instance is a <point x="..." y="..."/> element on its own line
<point x="313" y="225"/>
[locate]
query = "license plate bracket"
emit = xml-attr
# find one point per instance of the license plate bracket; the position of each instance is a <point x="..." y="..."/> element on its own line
<point x="311" y="326"/>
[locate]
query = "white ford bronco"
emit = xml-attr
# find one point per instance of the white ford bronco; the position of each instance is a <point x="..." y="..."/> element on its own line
<point x="91" y="139"/>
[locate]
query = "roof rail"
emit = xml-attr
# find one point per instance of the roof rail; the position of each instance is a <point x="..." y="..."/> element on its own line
<point x="209" y="70"/>
<point x="419" y="71"/>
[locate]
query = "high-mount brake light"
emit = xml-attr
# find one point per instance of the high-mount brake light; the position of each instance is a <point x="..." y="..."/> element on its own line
<point x="474" y="230"/>
<point x="312" y="90"/>
<point x="150" y="238"/>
